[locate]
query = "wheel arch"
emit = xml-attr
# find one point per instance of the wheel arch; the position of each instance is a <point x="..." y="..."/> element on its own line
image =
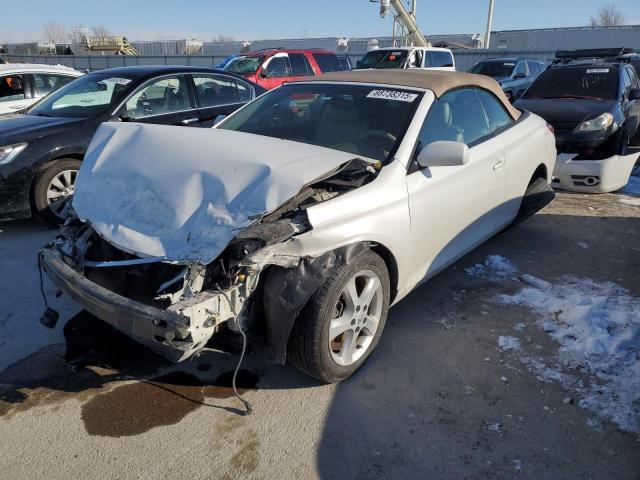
<point x="392" y="268"/>
<point x="540" y="172"/>
<point x="43" y="164"/>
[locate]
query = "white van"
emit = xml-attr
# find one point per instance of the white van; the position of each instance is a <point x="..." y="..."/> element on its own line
<point x="430" y="58"/>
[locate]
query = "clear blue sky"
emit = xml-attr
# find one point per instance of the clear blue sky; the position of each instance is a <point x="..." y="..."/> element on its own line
<point x="257" y="19"/>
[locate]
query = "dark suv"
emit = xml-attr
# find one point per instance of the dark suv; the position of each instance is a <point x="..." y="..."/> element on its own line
<point x="592" y="102"/>
<point x="513" y="74"/>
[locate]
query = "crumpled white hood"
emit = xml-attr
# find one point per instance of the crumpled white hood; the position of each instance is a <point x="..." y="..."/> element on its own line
<point x="183" y="193"/>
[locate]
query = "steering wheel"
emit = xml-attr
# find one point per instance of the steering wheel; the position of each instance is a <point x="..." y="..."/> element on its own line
<point x="378" y="139"/>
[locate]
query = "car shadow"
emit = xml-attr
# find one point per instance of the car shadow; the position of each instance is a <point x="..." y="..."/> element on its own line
<point x="438" y="399"/>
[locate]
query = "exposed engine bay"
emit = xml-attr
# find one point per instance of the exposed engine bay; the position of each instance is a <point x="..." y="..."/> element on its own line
<point x="175" y="307"/>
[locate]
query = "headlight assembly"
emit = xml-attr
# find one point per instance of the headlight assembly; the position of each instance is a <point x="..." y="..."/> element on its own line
<point x="9" y="152"/>
<point x="599" y="123"/>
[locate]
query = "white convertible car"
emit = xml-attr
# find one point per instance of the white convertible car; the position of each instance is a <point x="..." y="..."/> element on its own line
<point x="302" y="217"/>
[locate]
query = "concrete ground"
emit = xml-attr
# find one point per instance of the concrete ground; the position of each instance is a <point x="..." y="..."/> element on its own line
<point x="438" y="399"/>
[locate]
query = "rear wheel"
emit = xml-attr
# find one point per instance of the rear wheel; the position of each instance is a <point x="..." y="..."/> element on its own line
<point x="342" y="323"/>
<point x="53" y="186"/>
<point x="537" y="196"/>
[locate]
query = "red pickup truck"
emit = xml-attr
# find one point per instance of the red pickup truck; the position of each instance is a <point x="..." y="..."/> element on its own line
<point x="271" y="68"/>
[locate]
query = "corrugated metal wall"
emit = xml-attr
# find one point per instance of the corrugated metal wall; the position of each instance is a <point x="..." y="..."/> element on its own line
<point x="465" y="59"/>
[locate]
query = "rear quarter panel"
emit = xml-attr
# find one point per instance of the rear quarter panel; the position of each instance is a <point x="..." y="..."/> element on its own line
<point x="528" y="144"/>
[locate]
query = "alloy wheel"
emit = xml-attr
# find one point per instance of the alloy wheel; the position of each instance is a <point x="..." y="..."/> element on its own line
<point x="60" y="187"/>
<point x="356" y="318"/>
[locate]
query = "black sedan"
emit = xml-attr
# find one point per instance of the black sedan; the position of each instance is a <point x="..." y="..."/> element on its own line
<point x="593" y="106"/>
<point x="41" y="148"/>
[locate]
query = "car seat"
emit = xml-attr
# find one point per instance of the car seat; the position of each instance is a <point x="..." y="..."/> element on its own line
<point x="439" y="125"/>
<point x="339" y="125"/>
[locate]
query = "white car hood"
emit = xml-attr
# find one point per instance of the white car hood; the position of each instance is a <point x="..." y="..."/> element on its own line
<point x="183" y="193"/>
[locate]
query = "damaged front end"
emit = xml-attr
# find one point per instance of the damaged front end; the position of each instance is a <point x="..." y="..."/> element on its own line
<point x="175" y="307"/>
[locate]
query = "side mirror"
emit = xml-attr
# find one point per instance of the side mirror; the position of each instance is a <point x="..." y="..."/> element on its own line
<point x="519" y="75"/>
<point x="218" y="119"/>
<point x="263" y="74"/>
<point x="634" y="94"/>
<point x="444" y="153"/>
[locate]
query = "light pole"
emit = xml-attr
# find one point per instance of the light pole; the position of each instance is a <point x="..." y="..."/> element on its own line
<point x="487" y="35"/>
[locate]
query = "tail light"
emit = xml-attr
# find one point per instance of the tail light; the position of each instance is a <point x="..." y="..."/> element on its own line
<point x="551" y="129"/>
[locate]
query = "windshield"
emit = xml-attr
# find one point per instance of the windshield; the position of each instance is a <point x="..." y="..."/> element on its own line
<point x="384" y="59"/>
<point x="494" y="69"/>
<point x="362" y="120"/>
<point x="86" y="96"/>
<point x="588" y="82"/>
<point x="244" y="65"/>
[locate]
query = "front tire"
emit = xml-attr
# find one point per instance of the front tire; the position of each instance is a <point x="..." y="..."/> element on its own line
<point x="341" y="324"/>
<point x="53" y="185"/>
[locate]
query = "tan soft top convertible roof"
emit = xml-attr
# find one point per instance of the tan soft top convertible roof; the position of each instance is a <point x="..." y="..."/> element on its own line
<point x="437" y="81"/>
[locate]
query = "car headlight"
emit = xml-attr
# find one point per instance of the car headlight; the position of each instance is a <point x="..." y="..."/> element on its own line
<point x="8" y="153"/>
<point x="599" y="123"/>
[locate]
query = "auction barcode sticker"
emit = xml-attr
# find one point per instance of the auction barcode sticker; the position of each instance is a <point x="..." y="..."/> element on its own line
<point x="393" y="95"/>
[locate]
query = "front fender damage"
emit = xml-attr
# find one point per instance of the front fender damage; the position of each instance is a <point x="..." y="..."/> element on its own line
<point x="287" y="291"/>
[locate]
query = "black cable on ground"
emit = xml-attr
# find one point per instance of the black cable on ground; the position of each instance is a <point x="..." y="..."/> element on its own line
<point x="246" y="403"/>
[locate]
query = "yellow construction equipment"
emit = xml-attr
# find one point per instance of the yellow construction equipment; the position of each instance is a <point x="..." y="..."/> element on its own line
<point x="116" y="45"/>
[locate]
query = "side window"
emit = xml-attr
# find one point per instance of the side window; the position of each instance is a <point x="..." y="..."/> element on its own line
<point x="11" y="88"/>
<point x="278" y="67"/>
<point x="457" y="116"/>
<point x="626" y="79"/>
<point x="497" y="115"/>
<point x="438" y="59"/>
<point x="534" y="68"/>
<point x="299" y="64"/>
<point x="327" y="62"/>
<point x="521" y="69"/>
<point x="166" y="95"/>
<point x="634" y="77"/>
<point x="48" y="82"/>
<point x="216" y="90"/>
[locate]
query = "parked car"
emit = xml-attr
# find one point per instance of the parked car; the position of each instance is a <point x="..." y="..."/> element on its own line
<point x="513" y="74"/>
<point x="22" y="84"/>
<point x="430" y="58"/>
<point x="41" y="150"/>
<point x="594" y="107"/>
<point x="305" y="214"/>
<point x="225" y="61"/>
<point x="272" y="67"/>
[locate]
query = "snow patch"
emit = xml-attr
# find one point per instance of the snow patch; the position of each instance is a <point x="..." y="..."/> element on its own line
<point x="494" y="268"/>
<point x="597" y="325"/>
<point x="507" y="343"/>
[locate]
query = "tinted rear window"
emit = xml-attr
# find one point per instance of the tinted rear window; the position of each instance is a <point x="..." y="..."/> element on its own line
<point x="327" y="62"/>
<point x="494" y="69"/>
<point x="588" y="82"/>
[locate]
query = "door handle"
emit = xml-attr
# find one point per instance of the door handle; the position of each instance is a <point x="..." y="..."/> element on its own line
<point x="498" y="165"/>
<point x="189" y="121"/>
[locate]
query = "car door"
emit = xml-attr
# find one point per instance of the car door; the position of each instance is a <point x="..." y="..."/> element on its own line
<point x="14" y="93"/>
<point x="165" y="100"/>
<point x="455" y="208"/>
<point x="218" y="94"/>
